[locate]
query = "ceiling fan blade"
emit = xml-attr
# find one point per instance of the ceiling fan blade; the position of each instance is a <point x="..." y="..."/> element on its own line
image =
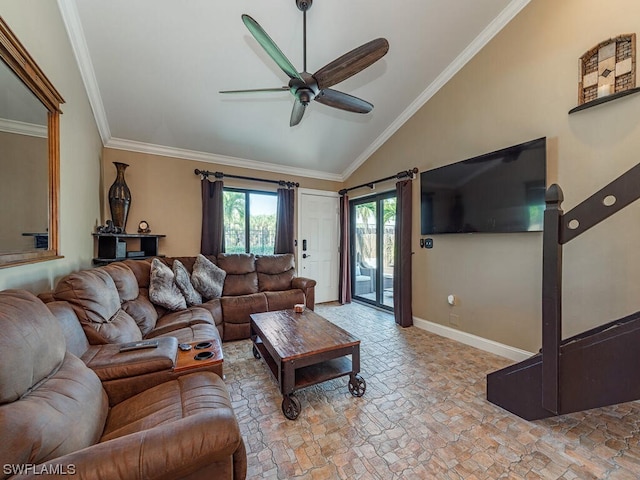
<point x="270" y="47"/>
<point x="343" y="101"/>
<point x="351" y="63"/>
<point x="296" y="113"/>
<point x="253" y="90"/>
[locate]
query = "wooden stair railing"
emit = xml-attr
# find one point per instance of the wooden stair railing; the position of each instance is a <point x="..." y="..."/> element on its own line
<point x="559" y="229"/>
<point x="595" y="367"/>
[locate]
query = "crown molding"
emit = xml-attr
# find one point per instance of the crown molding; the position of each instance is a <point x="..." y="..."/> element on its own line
<point x="71" y="20"/>
<point x="510" y="11"/>
<point x="184" y="154"/>
<point x="22" y="128"/>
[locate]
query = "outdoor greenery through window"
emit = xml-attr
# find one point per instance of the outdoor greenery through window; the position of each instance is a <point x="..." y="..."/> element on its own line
<point x="249" y="221"/>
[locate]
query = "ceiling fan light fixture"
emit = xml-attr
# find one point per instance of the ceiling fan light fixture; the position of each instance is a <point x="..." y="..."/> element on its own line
<point x="304" y="5"/>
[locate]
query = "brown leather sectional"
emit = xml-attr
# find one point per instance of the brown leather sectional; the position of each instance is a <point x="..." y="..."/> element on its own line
<point x="106" y="299"/>
<point x="68" y="396"/>
<point x="57" y="420"/>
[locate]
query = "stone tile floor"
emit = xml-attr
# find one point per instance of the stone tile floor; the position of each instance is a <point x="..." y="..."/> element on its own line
<point x="424" y="416"/>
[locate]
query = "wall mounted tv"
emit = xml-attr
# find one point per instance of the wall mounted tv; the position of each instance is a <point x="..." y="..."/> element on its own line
<point x="499" y="192"/>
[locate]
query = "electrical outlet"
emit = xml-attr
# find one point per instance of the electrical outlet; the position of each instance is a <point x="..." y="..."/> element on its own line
<point x="454" y="320"/>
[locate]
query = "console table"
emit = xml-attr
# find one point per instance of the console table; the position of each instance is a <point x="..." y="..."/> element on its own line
<point x="113" y="246"/>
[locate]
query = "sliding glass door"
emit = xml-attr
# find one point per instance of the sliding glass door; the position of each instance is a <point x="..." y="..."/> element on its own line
<point x="373" y="221"/>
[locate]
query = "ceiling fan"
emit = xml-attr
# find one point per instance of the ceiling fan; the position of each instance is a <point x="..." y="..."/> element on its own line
<point x="306" y="87"/>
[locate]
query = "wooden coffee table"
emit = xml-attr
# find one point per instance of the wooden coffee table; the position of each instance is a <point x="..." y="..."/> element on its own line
<point x="303" y="349"/>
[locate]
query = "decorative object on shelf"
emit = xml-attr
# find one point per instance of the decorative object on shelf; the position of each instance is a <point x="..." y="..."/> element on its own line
<point x="119" y="198"/>
<point x="108" y="228"/>
<point x="608" y="68"/>
<point x="143" y="227"/>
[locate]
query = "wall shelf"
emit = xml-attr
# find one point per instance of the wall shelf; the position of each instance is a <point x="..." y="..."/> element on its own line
<point x="601" y="100"/>
<point x="113" y="247"/>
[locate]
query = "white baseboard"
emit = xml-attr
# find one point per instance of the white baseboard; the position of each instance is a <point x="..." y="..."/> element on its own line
<point x="485" y="344"/>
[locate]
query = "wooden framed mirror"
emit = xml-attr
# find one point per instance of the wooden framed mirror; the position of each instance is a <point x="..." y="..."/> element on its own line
<point x="30" y="163"/>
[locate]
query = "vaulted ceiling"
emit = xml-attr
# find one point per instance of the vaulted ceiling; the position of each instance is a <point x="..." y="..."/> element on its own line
<point x="153" y="70"/>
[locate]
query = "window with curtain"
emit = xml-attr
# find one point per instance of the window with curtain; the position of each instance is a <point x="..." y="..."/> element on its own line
<point x="249" y="221"/>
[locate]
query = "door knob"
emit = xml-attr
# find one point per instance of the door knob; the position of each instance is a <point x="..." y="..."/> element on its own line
<point x="305" y="255"/>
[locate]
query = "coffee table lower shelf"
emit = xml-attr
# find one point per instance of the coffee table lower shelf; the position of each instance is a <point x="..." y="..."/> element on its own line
<point x="308" y="375"/>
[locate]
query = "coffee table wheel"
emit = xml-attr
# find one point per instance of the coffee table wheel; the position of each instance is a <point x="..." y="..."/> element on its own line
<point x="256" y="353"/>
<point x="291" y="407"/>
<point x="357" y="385"/>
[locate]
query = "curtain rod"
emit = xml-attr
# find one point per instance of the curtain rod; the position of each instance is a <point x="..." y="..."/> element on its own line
<point x="282" y="183"/>
<point x="398" y="176"/>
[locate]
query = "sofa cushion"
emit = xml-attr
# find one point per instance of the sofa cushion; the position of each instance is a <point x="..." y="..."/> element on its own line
<point x="163" y="289"/>
<point x="238" y="309"/>
<point x="142" y="271"/>
<point x="275" y="264"/>
<point x="199" y="332"/>
<point x="180" y="319"/>
<point x="238" y="285"/>
<point x="283" y="300"/>
<point x="242" y="278"/>
<point x="92" y="294"/>
<point x="237" y="263"/>
<point x="143" y="312"/>
<point x="189" y="396"/>
<point x="120" y="328"/>
<point x="64" y="413"/>
<point x="207" y="278"/>
<point x="26" y="320"/>
<point x="183" y="281"/>
<point x="96" y="302"/>
<point x="124" y="279"/>
<point x="275" y="272"/>
<point x="75" y="339"/>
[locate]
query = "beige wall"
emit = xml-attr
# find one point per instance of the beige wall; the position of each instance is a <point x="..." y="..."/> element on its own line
<point x="165" y="192"/>
<point x="39" y="27"/>
<point x="520" y="87"/>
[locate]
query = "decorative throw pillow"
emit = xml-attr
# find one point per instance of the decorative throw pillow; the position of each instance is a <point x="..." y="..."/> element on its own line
<point x="163" y="290"/>
<point x="183" y="280"/>
<point x="207" y="278"/>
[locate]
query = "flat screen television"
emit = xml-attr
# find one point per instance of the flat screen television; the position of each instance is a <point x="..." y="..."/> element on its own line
<point x="499" y="192"/>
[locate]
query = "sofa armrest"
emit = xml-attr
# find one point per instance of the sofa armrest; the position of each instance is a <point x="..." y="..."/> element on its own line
<point x="169" y="451"/>
<point x="307" y="285"/>
<point x="124" y="374"/>
<point x="110" y="363"/>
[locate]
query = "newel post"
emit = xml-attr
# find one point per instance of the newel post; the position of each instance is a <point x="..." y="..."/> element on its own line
<point x="552" y="298"/>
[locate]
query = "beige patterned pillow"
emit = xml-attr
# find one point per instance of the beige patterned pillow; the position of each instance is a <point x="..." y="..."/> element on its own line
<point x="163" y="290"/>
<point x="207" y="278"/>
<point x="183" y="280"/>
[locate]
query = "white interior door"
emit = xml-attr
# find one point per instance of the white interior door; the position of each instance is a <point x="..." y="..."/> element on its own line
<point x="318" y="241"/>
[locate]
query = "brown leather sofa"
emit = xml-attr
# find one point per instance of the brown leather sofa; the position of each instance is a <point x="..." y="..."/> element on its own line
<point x="112" y="302"/>
<point x="55" y="415"/>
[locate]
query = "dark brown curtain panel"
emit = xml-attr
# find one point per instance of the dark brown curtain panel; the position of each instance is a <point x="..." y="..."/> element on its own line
<point x="212" y="239"/>
<point x="344" y="282"/>
<point x="284" y="221"/>
<point x="402" y="257"/>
